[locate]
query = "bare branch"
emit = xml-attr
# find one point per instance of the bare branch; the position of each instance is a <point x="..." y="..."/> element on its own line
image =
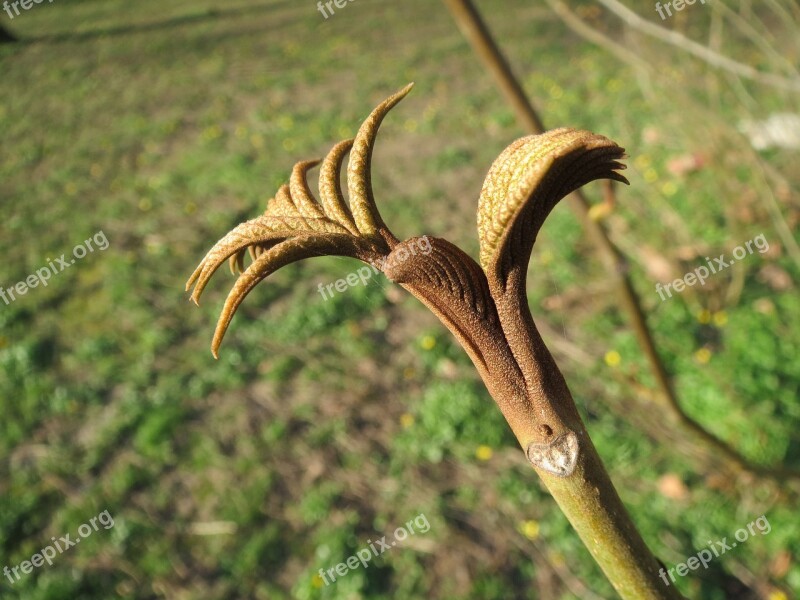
<point x="698" y="50"/>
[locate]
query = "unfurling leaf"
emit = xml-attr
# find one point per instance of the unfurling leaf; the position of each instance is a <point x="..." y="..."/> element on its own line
<point x="526" y="182"/>
<point x="359" y="179"/>
<point x="296" y="225"/>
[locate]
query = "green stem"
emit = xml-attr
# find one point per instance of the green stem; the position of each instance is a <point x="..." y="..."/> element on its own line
<point x="590" y="502"/>
<point x="555" y="438"/>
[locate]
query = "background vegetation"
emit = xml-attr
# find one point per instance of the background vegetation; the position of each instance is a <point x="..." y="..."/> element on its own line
<point x="328" y="423"/>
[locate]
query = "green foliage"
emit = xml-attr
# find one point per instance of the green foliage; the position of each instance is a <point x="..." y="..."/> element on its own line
<point x="452" y="418"/>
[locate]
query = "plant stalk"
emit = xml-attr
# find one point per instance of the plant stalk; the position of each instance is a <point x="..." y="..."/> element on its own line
<point x="573" y="471"/>
<point x="590" y="502"/>
<point x="712" y="448"/>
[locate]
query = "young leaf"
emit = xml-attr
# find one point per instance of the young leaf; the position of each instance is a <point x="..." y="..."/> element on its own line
<point x="526" y="182"/>
<point x="295" y="225"/>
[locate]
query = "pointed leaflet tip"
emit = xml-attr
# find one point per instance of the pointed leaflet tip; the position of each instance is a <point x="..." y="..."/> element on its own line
<point x="330" y="187"/>
<point x="263" y="231"/>
<point x="359" y="181"/>
<point x="300" y="192"/>
<point x="278" y="256"/>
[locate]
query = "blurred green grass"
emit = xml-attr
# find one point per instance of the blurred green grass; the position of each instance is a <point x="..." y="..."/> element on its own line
<point x="326" y="423"/>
